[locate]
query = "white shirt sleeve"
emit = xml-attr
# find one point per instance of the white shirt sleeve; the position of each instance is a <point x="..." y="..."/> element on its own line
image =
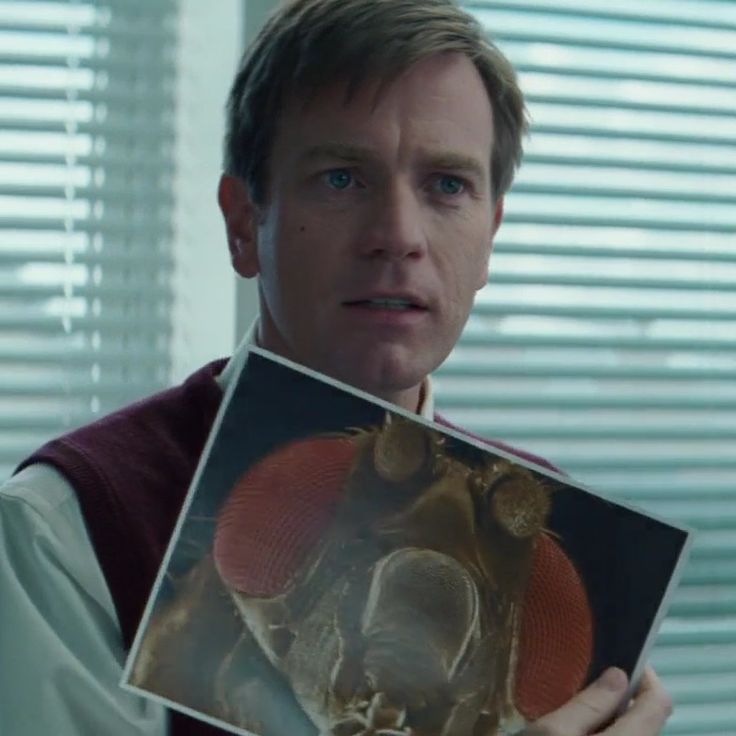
<point x="61" y="654"/>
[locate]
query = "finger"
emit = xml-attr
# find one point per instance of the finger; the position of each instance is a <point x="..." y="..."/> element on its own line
<point x="649" y="711"/>
<point x="588" y="710"/>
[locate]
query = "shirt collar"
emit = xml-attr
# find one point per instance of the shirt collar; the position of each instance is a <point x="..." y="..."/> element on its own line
<point x="426" y="400"/>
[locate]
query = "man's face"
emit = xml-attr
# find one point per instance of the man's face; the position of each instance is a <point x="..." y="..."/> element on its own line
<point x="378" y="227"/>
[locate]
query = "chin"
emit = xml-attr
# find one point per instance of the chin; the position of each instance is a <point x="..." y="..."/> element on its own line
<point x="387" y="379"/>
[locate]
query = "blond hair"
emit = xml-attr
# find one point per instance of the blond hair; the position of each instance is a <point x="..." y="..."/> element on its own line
<point x="309" y="44"/>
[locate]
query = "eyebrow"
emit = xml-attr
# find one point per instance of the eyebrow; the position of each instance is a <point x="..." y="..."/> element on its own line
<point x="442" y="160"/>
<point x="459" y="162"/>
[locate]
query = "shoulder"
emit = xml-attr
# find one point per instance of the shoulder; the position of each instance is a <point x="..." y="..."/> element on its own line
<point x="43" y="536"/>
<point x="168" y="424"/>
<point x="60" y="619"/>
<point x="37" y="493"/>
<point x="517" y="452"/>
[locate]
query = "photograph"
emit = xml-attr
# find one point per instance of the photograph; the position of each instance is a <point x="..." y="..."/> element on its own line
<point x="344" y="568"/>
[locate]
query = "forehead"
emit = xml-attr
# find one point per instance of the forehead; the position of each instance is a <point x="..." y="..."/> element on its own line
<point x="437" y="103"/>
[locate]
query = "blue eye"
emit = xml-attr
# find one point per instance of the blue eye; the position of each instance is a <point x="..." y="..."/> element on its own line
<point x="450" y="185"/>
<point x="339" y="178"/>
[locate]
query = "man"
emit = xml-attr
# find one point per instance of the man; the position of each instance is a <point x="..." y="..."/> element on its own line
<point x="370" y="144"/>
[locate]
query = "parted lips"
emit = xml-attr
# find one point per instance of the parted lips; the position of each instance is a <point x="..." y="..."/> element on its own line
<point x="278" y="511"/>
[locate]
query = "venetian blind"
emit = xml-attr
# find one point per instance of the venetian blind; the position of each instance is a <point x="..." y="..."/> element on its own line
<point x="86" y="134"/>
<point x="606" y="339"/>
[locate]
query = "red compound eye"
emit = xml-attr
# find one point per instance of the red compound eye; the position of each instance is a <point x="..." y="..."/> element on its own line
<point x="556" y="645"/>
<point x="277" y="512"/>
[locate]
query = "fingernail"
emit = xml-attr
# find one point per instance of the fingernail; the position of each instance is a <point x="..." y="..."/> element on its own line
<point x="613" y="679"/>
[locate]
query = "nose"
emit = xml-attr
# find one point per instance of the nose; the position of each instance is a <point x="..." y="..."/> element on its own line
<point x="394" y="227"/>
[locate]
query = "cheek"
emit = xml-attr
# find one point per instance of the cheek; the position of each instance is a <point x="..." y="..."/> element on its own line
<point x="479" y="255"/>
<point x="483" y="268"/>
<point x="281" y="244"/>
<point x="297" y="265"/>
<point x="467" y="270"/>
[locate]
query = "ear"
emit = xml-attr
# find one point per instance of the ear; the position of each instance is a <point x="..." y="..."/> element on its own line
<point x="497" y="220"/>
<point x="241" y="224"/>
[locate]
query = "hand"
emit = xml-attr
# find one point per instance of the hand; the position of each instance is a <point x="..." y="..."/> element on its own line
<point x="595" y="706"/>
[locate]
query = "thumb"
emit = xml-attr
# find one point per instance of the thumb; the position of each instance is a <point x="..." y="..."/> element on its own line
<point x="589" y="709"/>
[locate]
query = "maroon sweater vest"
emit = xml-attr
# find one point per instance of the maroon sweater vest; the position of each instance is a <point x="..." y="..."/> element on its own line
<point x="131" y="471"/>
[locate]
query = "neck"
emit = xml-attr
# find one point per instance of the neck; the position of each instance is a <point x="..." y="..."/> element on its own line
<point x="411" y="399"/>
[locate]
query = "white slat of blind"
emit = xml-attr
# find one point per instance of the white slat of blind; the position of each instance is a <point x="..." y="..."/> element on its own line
<point x="86" y="134"/>
<point x="606" y="340"/>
